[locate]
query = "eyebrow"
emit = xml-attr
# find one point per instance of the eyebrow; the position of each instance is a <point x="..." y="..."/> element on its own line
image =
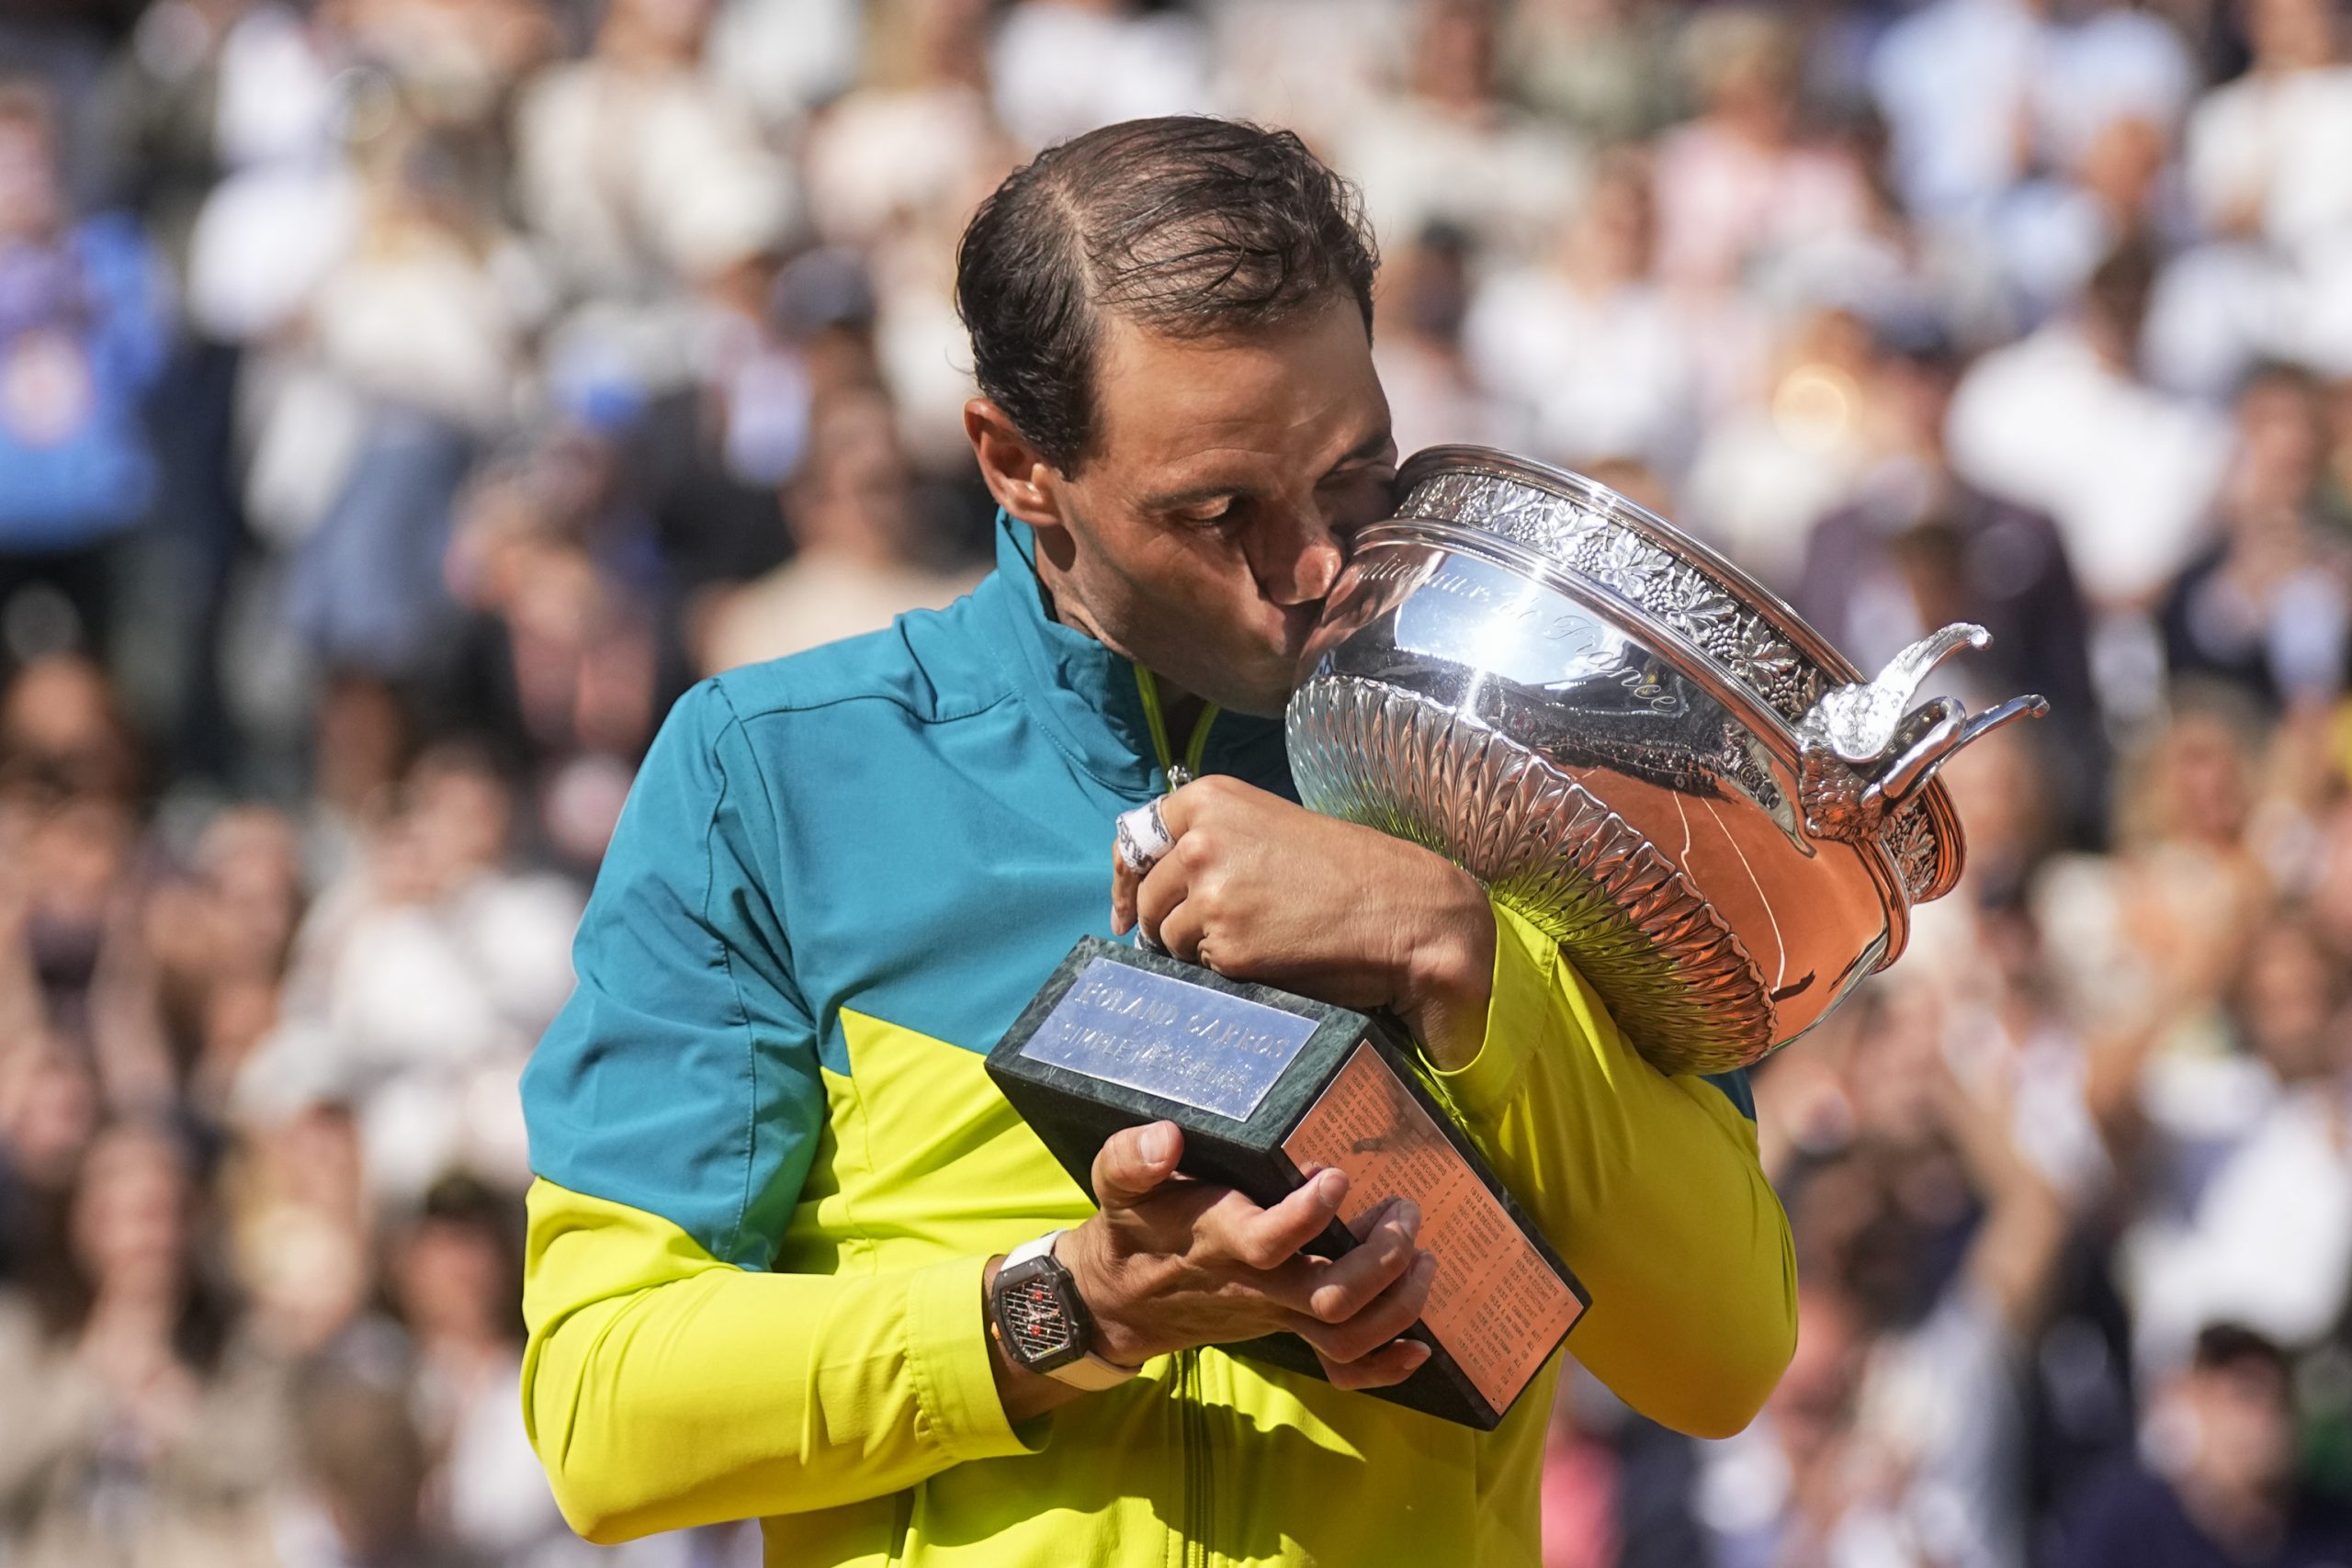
<point x="1197" y="495"/>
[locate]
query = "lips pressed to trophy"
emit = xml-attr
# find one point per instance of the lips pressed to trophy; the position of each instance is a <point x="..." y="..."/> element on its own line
<point x="1269" y="1088"/>
<point x="1630" y="742"/>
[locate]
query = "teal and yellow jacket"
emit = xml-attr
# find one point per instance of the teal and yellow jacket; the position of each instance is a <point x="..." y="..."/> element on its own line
<point x="770" y="1167"/>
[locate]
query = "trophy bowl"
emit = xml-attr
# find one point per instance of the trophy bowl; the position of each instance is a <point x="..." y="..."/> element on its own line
<point x="1635" y="746"/>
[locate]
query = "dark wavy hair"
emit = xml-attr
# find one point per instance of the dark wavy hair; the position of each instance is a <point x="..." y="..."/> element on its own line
<point x="1188" y="225"/>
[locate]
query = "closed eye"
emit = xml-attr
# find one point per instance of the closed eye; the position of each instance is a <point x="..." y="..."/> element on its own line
<point x="1223" y="515"/>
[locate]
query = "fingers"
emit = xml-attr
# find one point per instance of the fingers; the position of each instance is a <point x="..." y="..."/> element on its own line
<point x="1335" y="1290"/>
<point x="1136" y="1161"/>
<point x="1124" y="883"/>
<point x="1385" y="1367"/>
<point x="1159" y="892"/>
<point x="1139" y="841"/>
<point x="1147" y="880"/>
<point x="1179" y="809"/>
<point x="1265" y="1239"/>
<point x="1388" y="1315"/>
<point x="1182" y="932"/>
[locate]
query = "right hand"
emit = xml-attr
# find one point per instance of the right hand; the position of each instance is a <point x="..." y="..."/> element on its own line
<point x="1171" y="1263"/>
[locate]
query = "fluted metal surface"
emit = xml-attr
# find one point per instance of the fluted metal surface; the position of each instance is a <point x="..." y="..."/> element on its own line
<point x="1673" y="974"/>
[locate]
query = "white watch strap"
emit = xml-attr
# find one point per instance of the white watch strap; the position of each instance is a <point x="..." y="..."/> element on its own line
<point x="1089" y="1372"/>
<point x="1040" y="1247"/>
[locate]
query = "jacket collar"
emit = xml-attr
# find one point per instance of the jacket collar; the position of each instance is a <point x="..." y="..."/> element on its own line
<point x="1089" y="699"/>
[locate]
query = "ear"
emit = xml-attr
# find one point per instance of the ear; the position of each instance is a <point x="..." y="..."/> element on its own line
<point x="1016" y="475"/>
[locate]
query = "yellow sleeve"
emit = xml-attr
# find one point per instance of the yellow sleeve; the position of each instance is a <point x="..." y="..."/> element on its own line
<point x="663" y="1388"/>
<point x="1649" y="1186"/>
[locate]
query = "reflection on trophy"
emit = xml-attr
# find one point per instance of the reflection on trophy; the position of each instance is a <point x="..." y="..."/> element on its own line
<point x="1628" y="742"/>
<point x="1636" y="746"/>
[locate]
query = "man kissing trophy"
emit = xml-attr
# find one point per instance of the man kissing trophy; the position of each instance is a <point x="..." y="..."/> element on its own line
<point x="1633" y="745"/>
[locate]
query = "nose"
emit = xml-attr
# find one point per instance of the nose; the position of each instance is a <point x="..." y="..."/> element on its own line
<point x="1297" y="562"/>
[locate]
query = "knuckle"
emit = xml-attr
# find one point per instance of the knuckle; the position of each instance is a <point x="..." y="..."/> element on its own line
<point x="1262" y="1252"/>
<point x="1331" y="1303"/>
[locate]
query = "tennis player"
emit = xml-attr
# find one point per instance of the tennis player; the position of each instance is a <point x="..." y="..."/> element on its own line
<point x="776" y="1191"/>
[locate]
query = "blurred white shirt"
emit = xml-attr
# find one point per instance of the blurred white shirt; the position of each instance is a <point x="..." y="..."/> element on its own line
<point x="1504" y="180"/>
<point x="878" y="158"/>
<point x="1060" y="69"/>
<point x="2277" y="148"/>
<point x="420" y="1016"/>
<point x="2127" y="473"/>
<point x="1607" y="377"/>
<point x="2269" y="1245"/>
<point x="636" y="181"/>
<point x="1967" y="86"/>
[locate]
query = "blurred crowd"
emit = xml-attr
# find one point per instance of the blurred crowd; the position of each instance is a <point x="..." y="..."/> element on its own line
<point x="402" y="400"/>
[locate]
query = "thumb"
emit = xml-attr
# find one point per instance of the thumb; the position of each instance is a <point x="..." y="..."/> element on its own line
<point x="1136" y="1161"/>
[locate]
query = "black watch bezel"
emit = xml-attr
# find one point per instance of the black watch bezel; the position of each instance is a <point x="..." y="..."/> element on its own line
<point x="1026" y="1300"/>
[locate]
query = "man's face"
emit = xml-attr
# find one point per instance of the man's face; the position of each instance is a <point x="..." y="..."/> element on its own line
<point x="1227" y="479"/>
<point x="2245" y="1427"/>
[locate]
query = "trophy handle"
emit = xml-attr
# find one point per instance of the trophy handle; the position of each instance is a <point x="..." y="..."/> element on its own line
<point x="1846" y="779"/>
<point x="1860" y="722"/>
<point x="1951" y="731"/>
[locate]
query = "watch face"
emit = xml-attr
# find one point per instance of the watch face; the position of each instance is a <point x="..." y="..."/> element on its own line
<point x="1039" y="1322"/>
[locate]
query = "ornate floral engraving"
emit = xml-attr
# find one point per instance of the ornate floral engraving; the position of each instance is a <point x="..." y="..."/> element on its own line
<point x="1746" y="645"/>
<point x="1917" y="850"/>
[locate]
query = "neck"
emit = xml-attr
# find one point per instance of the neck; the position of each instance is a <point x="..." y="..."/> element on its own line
<point x="1180" y="711"/>
<point x="2246" y="1522"/>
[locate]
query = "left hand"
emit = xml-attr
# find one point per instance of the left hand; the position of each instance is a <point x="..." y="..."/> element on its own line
<point x="1257" y="888"/>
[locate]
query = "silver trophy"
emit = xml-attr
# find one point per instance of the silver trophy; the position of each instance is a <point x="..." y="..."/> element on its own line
<point x="1636" y="746"/>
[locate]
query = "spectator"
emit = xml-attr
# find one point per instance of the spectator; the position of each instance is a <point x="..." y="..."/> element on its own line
<point x="1978" y="91"/>
<point x="1919" y="548"/>
<point x="1859" y="1450"/>
<point x="1434" y="397"/>
<point x="1065" y="66"/>
<point x="2255" y="159"/>
<point x="140" y="1436"/>
<point x="1451" y="151"/>
<point x="2222" y="1489"/>
<point x="81" y="339"/>
<point x="2061" y="422"/>
<point x="2267" y="607"/>
<point x="366" y="1470"/>
<point x="419" y="984"/>
<point x="1589" y="342"/>
<point x="861" y="535"/>
<point x="1742" y="184"/>
<point x="1605" y="67"/>
<point x="1772" y="464"/>
<point x="2260" y="285"/>
<point x="643" y="174"/>
<point x="455" y="1274"/>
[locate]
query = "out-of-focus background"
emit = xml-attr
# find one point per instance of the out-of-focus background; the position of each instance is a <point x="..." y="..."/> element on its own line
<point x="401" y="401"/>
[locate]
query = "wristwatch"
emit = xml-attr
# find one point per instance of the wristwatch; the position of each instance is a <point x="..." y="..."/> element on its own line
<point x="1035" y="1313"/>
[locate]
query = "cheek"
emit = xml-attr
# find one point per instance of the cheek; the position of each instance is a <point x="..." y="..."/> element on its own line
<point x="1205" y="581"/>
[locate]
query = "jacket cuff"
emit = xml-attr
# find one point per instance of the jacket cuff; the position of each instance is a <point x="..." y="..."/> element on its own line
<point x="1522" y="998"/>
<point x="954" y="1370"/>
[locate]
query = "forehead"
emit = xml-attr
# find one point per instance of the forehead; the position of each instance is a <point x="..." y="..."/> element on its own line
<point x="1172" y="409"/>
